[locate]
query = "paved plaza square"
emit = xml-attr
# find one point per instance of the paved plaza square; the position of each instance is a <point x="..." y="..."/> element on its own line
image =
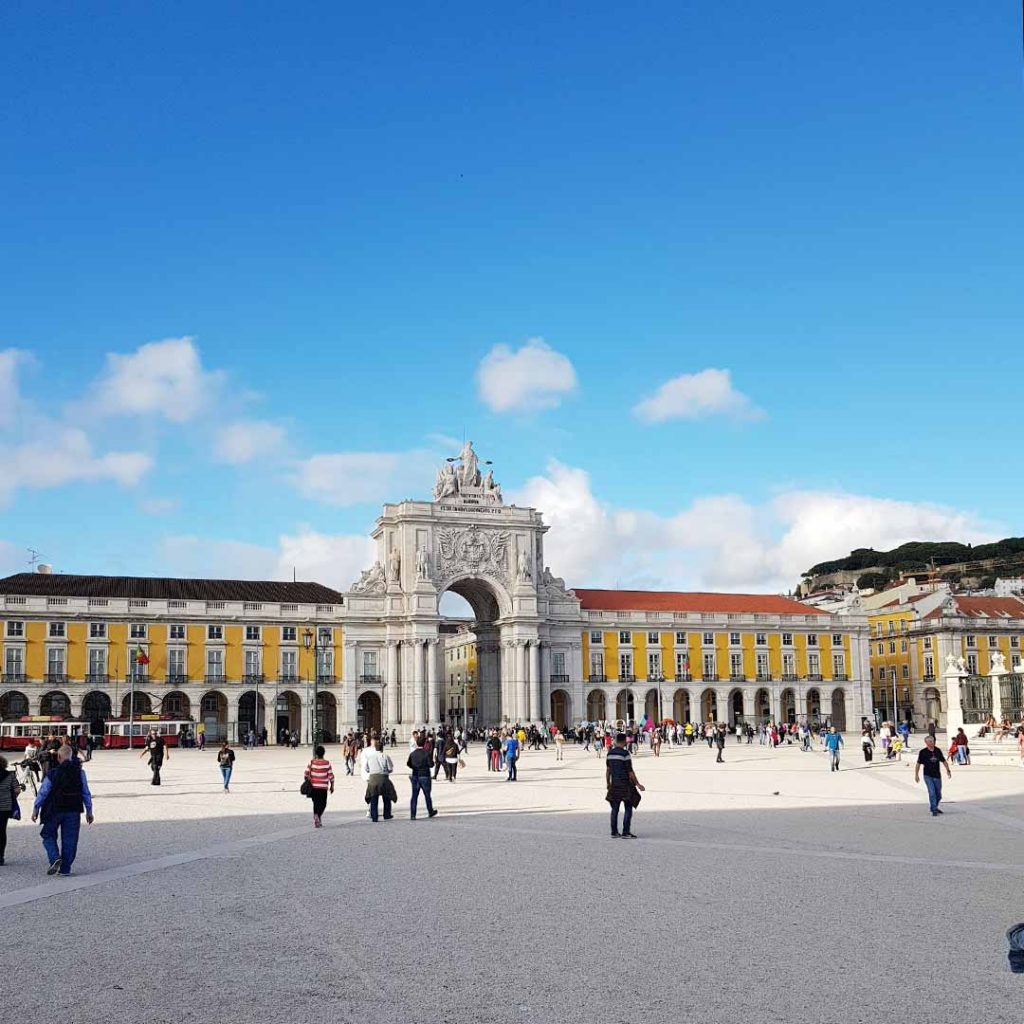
<point x="764" y="888"/>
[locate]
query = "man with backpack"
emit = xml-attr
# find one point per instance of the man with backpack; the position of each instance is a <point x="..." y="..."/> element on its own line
<point x="62" y="798"/>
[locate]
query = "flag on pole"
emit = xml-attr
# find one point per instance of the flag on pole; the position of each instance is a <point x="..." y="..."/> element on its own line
<point x="141" y="657"/>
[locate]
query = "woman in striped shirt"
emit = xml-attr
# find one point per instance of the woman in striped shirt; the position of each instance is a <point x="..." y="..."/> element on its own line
<point x="321" y="778"/>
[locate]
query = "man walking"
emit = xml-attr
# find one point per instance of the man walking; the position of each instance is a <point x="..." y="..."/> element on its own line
<point x="622" y="786"/>
<point x="157" y="751"/>
<point x="718" y="738"/>
<point x="62" y="798"/>
<point x="419" y="765"/>
<point x="933" y="760"/>
<point x="833" y="743"/>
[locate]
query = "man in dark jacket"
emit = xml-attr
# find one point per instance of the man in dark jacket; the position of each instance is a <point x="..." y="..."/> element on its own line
<point x="157" y="751"/>
<point x="419" y="766"/>
<point x="62" y="798"/>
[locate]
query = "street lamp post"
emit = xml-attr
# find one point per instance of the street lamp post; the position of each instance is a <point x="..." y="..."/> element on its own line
<point x="311" y="641"/>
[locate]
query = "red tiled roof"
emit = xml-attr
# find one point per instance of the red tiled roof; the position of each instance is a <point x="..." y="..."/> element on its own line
<point x="990" y="607"/>
<point x="156" y="588"/>
<point x="673" y="601"/>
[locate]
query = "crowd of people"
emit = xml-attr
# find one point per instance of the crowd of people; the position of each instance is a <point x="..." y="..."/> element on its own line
<point x="56" y="764"/>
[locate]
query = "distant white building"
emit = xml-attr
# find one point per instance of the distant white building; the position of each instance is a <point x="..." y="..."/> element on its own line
<point x="1007" y="588"/>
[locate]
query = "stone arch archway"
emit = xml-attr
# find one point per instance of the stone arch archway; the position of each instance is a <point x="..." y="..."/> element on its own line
<point x="56" y="703"/>
<point x="787" y="705"/>
<point x="736" y="706"/>
<point x="142" y="704"/>
<point x="13" y="704"/>
<point x="597" y="706"/>
<point x="96" y="707"/>
<point x="497" y="662"/>
<point x="561" y="708"/>
<point x="368" y="712"/>
<point x="709" y="706"/>
<point x="813" y="705"/>
<point x="839" y="708"/>
<point x="213" y="711"/>
<point x="681" y="705"/>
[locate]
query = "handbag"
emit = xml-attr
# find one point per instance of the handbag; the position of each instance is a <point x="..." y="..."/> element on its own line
<point x="306" y="789"/>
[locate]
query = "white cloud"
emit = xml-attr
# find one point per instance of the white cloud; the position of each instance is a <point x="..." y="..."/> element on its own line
<point x="352" y="478"/>
<point x="332" y="559"/>
<point x="533" y="377"/>
<point x="66" y="456"/>
<point x="245" y="440"/>
<point x="12" y="559"/>
<point x="157" y="506"/>
<point x="161" y="378"/>
<point x="723" y="542"/>
<point x="10" y="397"/>
<point x="695" y="396"/>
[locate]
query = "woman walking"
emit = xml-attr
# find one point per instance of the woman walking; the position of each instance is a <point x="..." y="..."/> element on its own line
<point x="451" y="758"/>
<point x="9" y="790"/>
<point x="321" y="778"/>
<point x="226" y="761"/>
<point x="867" y="744"/>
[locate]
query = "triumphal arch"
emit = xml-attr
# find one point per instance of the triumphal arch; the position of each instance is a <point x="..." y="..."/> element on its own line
<point x="468" y="541"/>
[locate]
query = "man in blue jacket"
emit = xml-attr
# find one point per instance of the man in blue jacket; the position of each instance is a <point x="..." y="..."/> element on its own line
<point x="833" y="743"/>
<point x="62" y="798"/>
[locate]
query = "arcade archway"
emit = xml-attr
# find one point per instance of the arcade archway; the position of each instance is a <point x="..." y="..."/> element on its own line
<point x="560" y="709"/>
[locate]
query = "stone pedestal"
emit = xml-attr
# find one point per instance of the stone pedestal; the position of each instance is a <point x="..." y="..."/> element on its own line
<point x="954" y="709"/>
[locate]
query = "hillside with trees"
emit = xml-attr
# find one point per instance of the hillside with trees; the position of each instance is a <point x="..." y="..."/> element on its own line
<point x="877" y="568"/>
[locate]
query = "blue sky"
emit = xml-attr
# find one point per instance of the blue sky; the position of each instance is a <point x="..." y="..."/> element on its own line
<point x="347" y="211"/>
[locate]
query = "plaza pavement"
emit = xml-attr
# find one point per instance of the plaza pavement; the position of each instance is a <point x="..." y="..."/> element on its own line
<point x="766" y="888"/>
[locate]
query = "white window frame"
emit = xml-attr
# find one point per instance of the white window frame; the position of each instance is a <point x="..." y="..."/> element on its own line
<point x="137" y="631"/>
<point x="253" y="634"/>
<point x="97" y="631"/>
<point x="172" y="631"/>
<point x="215" y="633"/>
<point x="787" y="639"/>
<point x="680" y="638"/>
<point x="735" y="640"/>
<point x="57" y="631"/>
<point x="708" y="639"/>
<point x="289" y="634"/>
<point x="812" y="639"/>
<point x="761" y="639"/>
<point x="625" y="638"/>
<point x="15" y="629"/>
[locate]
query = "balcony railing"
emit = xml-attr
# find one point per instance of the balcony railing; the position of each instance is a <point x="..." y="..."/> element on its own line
<point x="764" y="677"/>
<point x="737" y="677"/>
<point x="790" y="677"/>
<point x="597" y="679"/>
<point x="13" y="678"/>
<point x="253" y="679"/>
<point x="176" y="678"/>
<point x="559" y="679"/>
<point x="814" y="677"/>
<point x="288" y="678"/>
<point x="325" y="680"/>
<point x="627" y="678"/>
<point x="929" y="677"/>
<point x="211" y="680"/>
<point x="56" y="678"/>
<point x="710" y="677"/>
<point x="840" y="677"/>
<point x="138" y="678"/>
<point x="684" y="677"/>
<point x="97" y="678"/>
<point x="371" y="680"/>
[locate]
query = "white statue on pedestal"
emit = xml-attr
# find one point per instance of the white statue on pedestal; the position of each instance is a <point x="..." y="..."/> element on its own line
<point x="998" y="664"/>
<point x="394" y="565"/>
<point x="422" y="564"/>
<point x="524" y="566"/>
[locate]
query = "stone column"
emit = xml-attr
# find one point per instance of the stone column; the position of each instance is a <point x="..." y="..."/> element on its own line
<point x="392" y="681"/>
<point x="417" y="683"/>
<point x="349" y="688"/>
<point x="535" y="709"/>
<point x="545" y="678"/>
<point x="522" y="681"/>
<point x="433" y="703"/>
<point x="997" y="696"/>
<point x="724" y="707"/>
